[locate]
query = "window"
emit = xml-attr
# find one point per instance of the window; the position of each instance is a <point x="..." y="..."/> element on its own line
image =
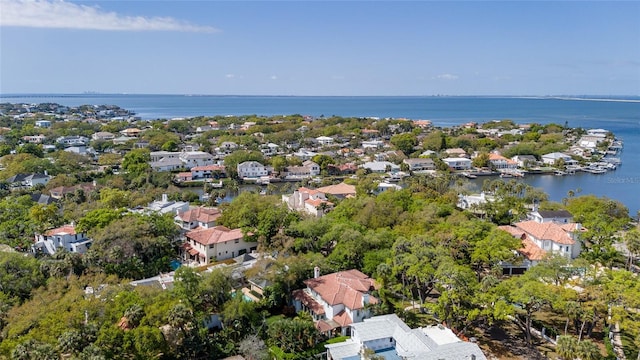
<point x="237" y="241"/>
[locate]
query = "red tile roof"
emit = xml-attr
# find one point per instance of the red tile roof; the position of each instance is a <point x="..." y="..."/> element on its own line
<point x="201" y="214"/>
<point x="308" y="301"/>
<point x="546" y="231"/>
<point x="63" y="230"/>
<point x="214" y="235"/>
<point x="341" y="189"/>
<point x="531" y="251"/>
<point x="316" y="202"/>
<point x="343" y="318"/>
<point x="345" y="287"/>
<point x="208" y="168"/>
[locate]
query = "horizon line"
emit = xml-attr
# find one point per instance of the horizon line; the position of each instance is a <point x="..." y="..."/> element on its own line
<point x="91" y="93"/>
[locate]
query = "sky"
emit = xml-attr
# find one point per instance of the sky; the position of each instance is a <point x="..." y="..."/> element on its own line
<point x="341" y="48"/>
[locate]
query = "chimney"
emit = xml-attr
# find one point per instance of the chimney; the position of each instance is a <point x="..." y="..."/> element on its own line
<point x="164" y="198"/>
<point x="365" y="299"/>
<point x="316" y="272"/>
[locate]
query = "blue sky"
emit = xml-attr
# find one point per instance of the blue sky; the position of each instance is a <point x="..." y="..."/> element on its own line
<point x="320" y="48"/>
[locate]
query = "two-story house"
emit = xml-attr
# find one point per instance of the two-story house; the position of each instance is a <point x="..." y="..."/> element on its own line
<point x="206" y="246"/>
<point x="458" y="163"/>
<point x="251" y="169"/>
<point x="336" y="300"/>
<point x="310" y="201"/>
<point x="192" y="159"/>
<point x="307" y="170"/>
<point x="199" y="217"/>
<point x="63" y="237"/>
<point x="420" y="164"/>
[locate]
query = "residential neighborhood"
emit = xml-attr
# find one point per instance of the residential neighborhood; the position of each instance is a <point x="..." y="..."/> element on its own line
<point x="298" y="237"/>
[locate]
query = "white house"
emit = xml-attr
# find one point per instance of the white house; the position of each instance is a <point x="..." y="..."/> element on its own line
<point x="270" y="149"/>
<point x="525" y="161"/>
<point x="372" y="144"/>
<point x="390" y="338"/>
<point x="251" y="169"/>
<point x="420" y="164"/>
<point x="43" y="123"/>
<point x="336" y="300"/>
<point x="103" y="135"/>
<point x="551" y="158"/>
<point x="208" y="171"/>
<point x="166" y="206"/>
<point x="324" y="140"/>
<point x="304" y="154"/>
<point x="310" y="201"/>
<point x="380" y="166"/>
<point x="540" y="238"/>
<point x="28" y="180"/>
<point x="502" y="163"/>
<point x="556" y="216"/>
<point x="63" y="237"/>
<point x="72" y="140"/>
<point x="196" y="158"/>
<point x="458" y="163"/>
<point x="206" y="246"/>
<point x="473" y="201"/>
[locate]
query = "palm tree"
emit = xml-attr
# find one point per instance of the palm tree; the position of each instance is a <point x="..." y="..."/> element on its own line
<point x="567" y="347"/>
<point x="632" y="240"/>
<point x="588" y="350"/>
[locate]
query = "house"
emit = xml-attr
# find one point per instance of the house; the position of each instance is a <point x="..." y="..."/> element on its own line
<point x="474" y="201"/>
<point x="270" y="149"/>
<point x="500" y="162"/>
<point x="28" y="180"/>
<point x="458" y="163"/>
<point x="372" y="144"/>
<point x="525" y="161"/>
<point x="324" y="140"/>
<point x="251" y="169"/>
<point x="43" y="123"/>
<point x="159" y="155"/>
<point x="310" y="201"/>
<point x="380" y="166"/>
<point x="422" y="124"/>
<point x="556" y="216"/>
<point x="72" y="140"/>
<point x="199" y="217"/>
<point x="420" y="164"/>
<point x="385" y="186"/>
<point x="336" y="300"/>
<point x="598" y="132"/>
<point x="34" y="139"/>
<point x="165" y="206"/>
<point x="340" y="191"/>
<point x="539" y="238"/>
<point x="167" y="164"/>
<point x="192" y="159"/>
<point x="63" y="237"/>
<point x="456" y="152"/>
<point x="131" y="132"/>
<point x="103" y="135"/>
<point x="208" y="172"/>
<point x="390" y="338"/>
<point x="206" y="246"/>
<point x="304" y="154"/>
<point x="343" y="169"/>
<point x="551" y="158"/>
<point x="307" y="170"/>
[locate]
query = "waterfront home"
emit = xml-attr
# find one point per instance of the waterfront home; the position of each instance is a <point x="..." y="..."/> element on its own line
<point x="62" y="237"/>
<point x="166" y="206"/>
<point x="208" y="172"/>
<point x="206" y="246"/>
<point x="336" y="300"/>
<point x="307" y="170"/>
<point x="556" y="216"/>
<point x="474" y="202"/>
<point x="166" y="164"/>
<point x="420" y="164"/>
<point x="390" y="338"/>
<point x="458" y="163"/>
<point x="500" y="162"/>
<point x="380" y="166"/>
<point x="601" y="133"/>
<point x="198" y="217"/>
<point x="251" y="169"/>
<point x="312" y="202"/>
<point x="551" y="158"/>
<point x="192" y="159"/>
<point x="525" y="161"/>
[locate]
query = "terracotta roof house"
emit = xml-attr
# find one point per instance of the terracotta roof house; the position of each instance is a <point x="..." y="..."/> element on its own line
<point x="341" y="190"/>
<point x="61" y="237"/>
<point x="199" y="217"/>
<point x="336" y="300"/>
<point x="206" y="246"/>
<point x="539" y="238"/>
<point x="310" y="201"/>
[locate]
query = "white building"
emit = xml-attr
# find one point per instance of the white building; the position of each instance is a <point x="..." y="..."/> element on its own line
<point x="310" y="201"/>
<point x="390" y="338"/>
<point x="458" y="163"/>
<point x="196" y="158"/>
<point x="43" y="123"/>
<point x="207" y="246"/>
<point x="251" y="169"/>
<point x="420" y="164"/>
<point x="380" y="166"/>
<point x="63" y="237"/>
<point x="324" y="140"/>
<point x="166" y="206"/>
<point x="307" y="170"/>
<point x="551" y="158"/>
<point x="199" y="217"/>
<point x="336" y="300"/>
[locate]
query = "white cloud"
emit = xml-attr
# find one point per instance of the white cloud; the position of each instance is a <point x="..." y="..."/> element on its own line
<point x="273" y="77"/>
<point x="447" y="77"/>
<point x="230" y="76"/>
<point x="65" y="15"/>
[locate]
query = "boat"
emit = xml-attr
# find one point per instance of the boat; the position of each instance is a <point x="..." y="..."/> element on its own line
<point x="559" y="173"/>
<point x="506" y="175"/>
<point x="469" y="175"/>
